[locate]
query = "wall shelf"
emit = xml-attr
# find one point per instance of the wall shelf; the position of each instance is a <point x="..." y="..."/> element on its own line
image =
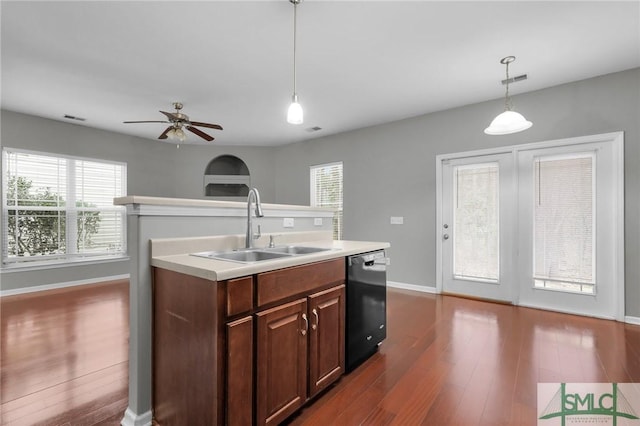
<point x="227" y="176"/>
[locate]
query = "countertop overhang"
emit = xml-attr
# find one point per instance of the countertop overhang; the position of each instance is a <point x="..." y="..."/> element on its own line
<point x="218" y="270"/>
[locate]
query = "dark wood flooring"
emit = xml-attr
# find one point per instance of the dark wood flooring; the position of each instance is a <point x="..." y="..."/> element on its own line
<point x="446" y="361"/>
<point x="455" y="361"/>
<point x="65" y="356"/>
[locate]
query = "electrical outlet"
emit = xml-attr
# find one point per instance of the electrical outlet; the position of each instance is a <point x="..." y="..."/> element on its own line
<point x="287" y="222"/>
<point x="397" y="220"/>
<point x="317" y="221"/>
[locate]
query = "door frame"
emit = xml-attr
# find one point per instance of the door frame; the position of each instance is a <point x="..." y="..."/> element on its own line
<point x="617" y="140"/>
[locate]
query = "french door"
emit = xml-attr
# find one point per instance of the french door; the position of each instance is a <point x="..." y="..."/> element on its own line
<point x="539" y="225"/>
<point x="476" y="230"/>
<point x="568" y="238"/>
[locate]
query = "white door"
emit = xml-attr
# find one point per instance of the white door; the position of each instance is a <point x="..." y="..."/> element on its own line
<point x="569" y="226"/>
<point x="477" y="226"/>
<point x="540" y="225"/>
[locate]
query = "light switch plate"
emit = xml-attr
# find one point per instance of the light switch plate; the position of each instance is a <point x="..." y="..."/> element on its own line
<point x="317" y="221"/>
<point x="287" y="222"/>
<point x="397" y="220"/>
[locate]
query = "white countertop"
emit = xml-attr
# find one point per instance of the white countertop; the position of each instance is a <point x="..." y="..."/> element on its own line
<point x="218" y="270"/>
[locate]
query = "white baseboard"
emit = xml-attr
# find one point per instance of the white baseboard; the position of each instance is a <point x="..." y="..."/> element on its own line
<point x="632" y="320"/>
<point x="133" y="419"/>
<point x="564" y="311"/>
<point x="62" y="285"/>
<point x="412" y="287"/>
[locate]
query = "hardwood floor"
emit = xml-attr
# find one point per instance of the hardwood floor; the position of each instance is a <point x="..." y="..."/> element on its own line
<point x="446" y="360"/>
<point x="65" y="356"/>
<point x="455" y="361"/>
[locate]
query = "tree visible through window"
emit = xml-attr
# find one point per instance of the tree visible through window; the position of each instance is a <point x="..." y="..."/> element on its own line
<point x="60" y="208"/>
<point x="326" y="191"/>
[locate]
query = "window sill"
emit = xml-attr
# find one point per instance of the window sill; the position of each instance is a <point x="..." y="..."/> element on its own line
<point x="35" y="266"/>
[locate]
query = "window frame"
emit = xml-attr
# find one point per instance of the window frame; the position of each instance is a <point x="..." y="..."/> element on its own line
<point x="338" y="218"/>
<point x="72" y="255"/>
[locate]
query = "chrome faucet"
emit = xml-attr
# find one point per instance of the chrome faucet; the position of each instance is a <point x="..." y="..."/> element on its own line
<point x="255" y="195"/>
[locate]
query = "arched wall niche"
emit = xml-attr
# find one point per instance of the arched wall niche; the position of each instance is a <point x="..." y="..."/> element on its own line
<point x="227" y="176"/>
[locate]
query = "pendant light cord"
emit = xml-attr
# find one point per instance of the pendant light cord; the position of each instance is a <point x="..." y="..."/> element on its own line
<point x="507" y="99"/>
<point x="295" y="9"/>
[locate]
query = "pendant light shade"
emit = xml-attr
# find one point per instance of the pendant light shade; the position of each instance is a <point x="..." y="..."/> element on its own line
<point x="294" y="114"/>
<point x="509" y="121"/>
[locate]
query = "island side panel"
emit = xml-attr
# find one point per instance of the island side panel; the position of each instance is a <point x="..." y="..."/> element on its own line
<point x="185" y="321"/>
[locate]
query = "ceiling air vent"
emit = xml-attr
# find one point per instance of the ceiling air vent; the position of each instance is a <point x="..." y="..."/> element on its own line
<point x="514" y="79"/>
<point x="73" y="117"/>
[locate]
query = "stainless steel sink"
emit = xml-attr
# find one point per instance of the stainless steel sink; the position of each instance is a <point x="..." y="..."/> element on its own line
<point x="257" y="255"/>
<point x="245" y="256"/>
<point x="295" y="250"/>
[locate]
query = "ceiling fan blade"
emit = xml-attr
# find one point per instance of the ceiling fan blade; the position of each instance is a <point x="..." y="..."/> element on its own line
<point x="165" y="121"/>
<point x="211" y="126"/>
<point x="170" y="115"/>
<point x="200" y="133"/>
<point x="164" y="134"/>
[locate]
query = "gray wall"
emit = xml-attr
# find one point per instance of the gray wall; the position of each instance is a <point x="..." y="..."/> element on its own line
<point x="389" y="170"/>
<point x="154" y="168"/>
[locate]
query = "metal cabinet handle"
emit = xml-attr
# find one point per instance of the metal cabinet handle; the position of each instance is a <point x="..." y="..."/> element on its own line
<point x="445" y="236"/>
<point x="306" y="325"/>
<point x="314" y="326"/>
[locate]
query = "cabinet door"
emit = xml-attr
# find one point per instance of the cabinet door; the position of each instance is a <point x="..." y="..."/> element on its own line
<point x="326" y="338"/>
<point x="240" y="372"/>
<point x="281" y="361"/>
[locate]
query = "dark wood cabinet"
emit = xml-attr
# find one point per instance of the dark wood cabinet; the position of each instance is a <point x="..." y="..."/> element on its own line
<point x="239" y="397"/>
<point x="250" y="350"/>
<point x="281" y="361"/>
<point x="299" y="341"/>
<point x="326" y="338"/>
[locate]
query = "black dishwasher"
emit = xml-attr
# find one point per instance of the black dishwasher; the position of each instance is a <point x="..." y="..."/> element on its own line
<point x="366" y="306"/>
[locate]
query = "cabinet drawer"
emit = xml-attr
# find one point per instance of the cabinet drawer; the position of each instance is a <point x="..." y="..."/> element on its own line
<point x="284" y="283"/>
<point x="239" y="295"/>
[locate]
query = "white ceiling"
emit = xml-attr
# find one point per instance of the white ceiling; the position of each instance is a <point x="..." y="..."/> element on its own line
<point x="360" y="63"/>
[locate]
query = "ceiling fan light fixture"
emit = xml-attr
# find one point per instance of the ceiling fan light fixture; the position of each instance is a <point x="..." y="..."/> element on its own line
<point x="295" y="115"/>
<point x="177" y="122"/>
<point x="180" y="135"/>
<point x="509" y="121"/>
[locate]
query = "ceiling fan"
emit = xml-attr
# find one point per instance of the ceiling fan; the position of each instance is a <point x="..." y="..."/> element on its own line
<point x="179" y="120"/>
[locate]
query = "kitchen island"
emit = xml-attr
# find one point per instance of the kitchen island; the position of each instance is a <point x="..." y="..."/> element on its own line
<point x="246" y="343"/>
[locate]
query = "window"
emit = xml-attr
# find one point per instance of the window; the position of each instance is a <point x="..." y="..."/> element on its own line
<point x="476" y="254"/>
<point x="326" y="191"/>
<point x="58" y="209"/>
<point x="564" y="238"/>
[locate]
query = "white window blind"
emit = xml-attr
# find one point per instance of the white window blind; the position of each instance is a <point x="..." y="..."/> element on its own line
<point x="59" y="209"/>
<point x="326" y="191"/>
<point x="564" y="238"/>
<point x="476" y="238"/>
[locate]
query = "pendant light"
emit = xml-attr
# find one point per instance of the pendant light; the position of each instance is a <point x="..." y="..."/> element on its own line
<point x="295" y="114"/>
<point x="509" y="121"/>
